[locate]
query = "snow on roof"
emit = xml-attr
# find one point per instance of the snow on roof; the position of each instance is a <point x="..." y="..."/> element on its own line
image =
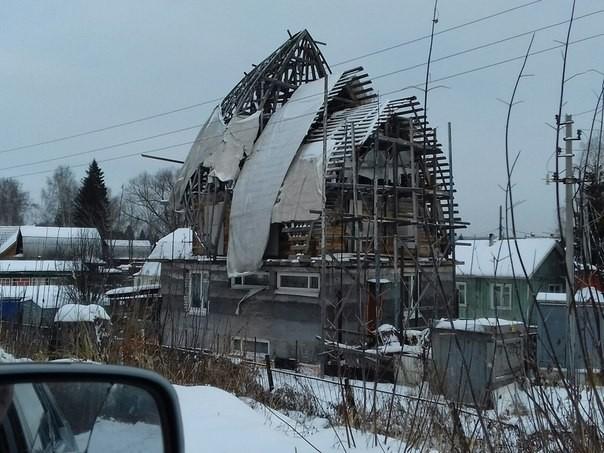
<point x="54" y="242"/>
<point x="589" y="294"/>
<point x="8" y="241"/>
<point x="59" y="232"/>
<point x="6" y="233"/>
<point x="81" y="313"/>
<point x="45" y="296"/>
<point x="551" y="297"/>
<point x="584" y="295"/>
<point x="150" y="269"/>
<point x="177" y="245"/>
<point x="30" y="266"/>
<point x="485" y="258"/>
<point x="475" y="325"/>
<point x="132" y="289"/>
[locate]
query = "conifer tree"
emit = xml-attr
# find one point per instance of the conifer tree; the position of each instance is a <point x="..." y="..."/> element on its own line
<point x="92" y="201"/>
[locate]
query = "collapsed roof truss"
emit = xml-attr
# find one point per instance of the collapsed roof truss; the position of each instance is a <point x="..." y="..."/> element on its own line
<point x="272" y="82"/>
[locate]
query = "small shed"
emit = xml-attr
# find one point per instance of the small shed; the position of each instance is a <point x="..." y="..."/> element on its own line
<point x="80" y="330"/>
<point x="474" y="357"/>
<point x="553" y="326"/>
<point x="32" y="305"/>
<point x="136" y="307"/>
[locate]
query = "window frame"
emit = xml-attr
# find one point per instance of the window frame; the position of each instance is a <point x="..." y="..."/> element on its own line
<point x="240" y="352"/>
<point x="244" y="285"/>
<point x="459" y="292"/>
<point x="502" y="287"/>
<point x="203" y="309"/>
<point x="558" y="285"/>
<point x="308" y="291"/>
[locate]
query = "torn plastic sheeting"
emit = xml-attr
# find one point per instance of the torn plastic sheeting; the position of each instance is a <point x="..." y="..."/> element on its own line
<point x="209" y="137"/>
<point x="262" y="175"/>
<point x="238" y="140"/>
<point x="220" y="147"/>
<point x="301" y="190"/>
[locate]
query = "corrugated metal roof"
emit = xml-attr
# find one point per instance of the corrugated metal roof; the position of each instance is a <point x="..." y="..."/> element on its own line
<point x="32" y="266"/>
<point x="127" y="250"/>
<point x="60" y="242"/>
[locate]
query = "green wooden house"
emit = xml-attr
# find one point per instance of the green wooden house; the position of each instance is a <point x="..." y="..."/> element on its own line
<point x="490" y="279"/>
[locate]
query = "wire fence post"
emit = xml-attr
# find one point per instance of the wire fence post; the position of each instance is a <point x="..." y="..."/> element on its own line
<point x="269" y="373"/>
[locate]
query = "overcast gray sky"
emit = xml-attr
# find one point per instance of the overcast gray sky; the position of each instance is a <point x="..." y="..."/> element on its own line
<point x="69" y="67"/>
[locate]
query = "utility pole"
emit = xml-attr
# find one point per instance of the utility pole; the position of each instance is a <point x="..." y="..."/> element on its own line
<point x="569" y="238"/>
<point x="455" y="304"/>
<point x="322" y="283"/>
<point x="500" y="223"/>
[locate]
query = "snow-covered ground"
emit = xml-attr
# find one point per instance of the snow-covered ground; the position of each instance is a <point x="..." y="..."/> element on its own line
<point x="217" y="421"/>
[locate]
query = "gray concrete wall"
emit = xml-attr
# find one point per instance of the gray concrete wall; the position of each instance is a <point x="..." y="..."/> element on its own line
<point x="289" y="322"/>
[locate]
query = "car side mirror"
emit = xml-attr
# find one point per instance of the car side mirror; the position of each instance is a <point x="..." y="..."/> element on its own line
<point x="74" y="407"/>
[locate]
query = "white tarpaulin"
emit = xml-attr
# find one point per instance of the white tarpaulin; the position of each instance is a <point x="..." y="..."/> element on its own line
<point x="238" y="139"/>
<point x="262" y="175"/>
<point x="301" y="191"/>
<point x="219" y="147"/>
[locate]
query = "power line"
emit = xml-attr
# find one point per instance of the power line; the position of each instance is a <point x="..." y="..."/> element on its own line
<point x="109" y="159"/>
<point x="398" y="71"/>
<point x="498" y="63"/>
<point x="446" y="30"/>
<point x="212" y="101"/>
<point x="585" y="112"/>
<point x="104" y="148"/>
<point x="113" y="126"/>
<point x="489" y="44"/>
<point x="451" y="76"/>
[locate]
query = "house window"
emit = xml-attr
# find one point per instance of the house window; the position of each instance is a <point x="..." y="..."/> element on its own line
<point x="299" y="284"/>
<point x="250" y="347"/>
<point x="259" y="280"/>
<point x="501" y="296"/>
<point x="199" y="285"/>
<point x="461" y="293"/>
<point x="555" y="288"/>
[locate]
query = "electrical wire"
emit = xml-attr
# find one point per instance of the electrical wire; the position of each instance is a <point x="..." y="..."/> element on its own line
<point x="419" y="85"/>
<point x="446" y="30"/>
<point x="212" y="101"/>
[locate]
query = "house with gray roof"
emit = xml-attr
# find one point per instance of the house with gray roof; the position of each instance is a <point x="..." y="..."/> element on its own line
<point x="491" y="281"/>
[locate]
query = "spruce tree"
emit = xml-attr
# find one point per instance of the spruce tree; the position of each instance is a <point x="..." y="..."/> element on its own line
<point x="92" y="201"/>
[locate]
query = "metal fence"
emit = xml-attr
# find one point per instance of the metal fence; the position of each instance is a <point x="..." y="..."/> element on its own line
<point x="414" y="414"/>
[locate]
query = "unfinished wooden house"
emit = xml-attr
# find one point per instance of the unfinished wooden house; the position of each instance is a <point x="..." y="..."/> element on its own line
<point x="317" y="208"/>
